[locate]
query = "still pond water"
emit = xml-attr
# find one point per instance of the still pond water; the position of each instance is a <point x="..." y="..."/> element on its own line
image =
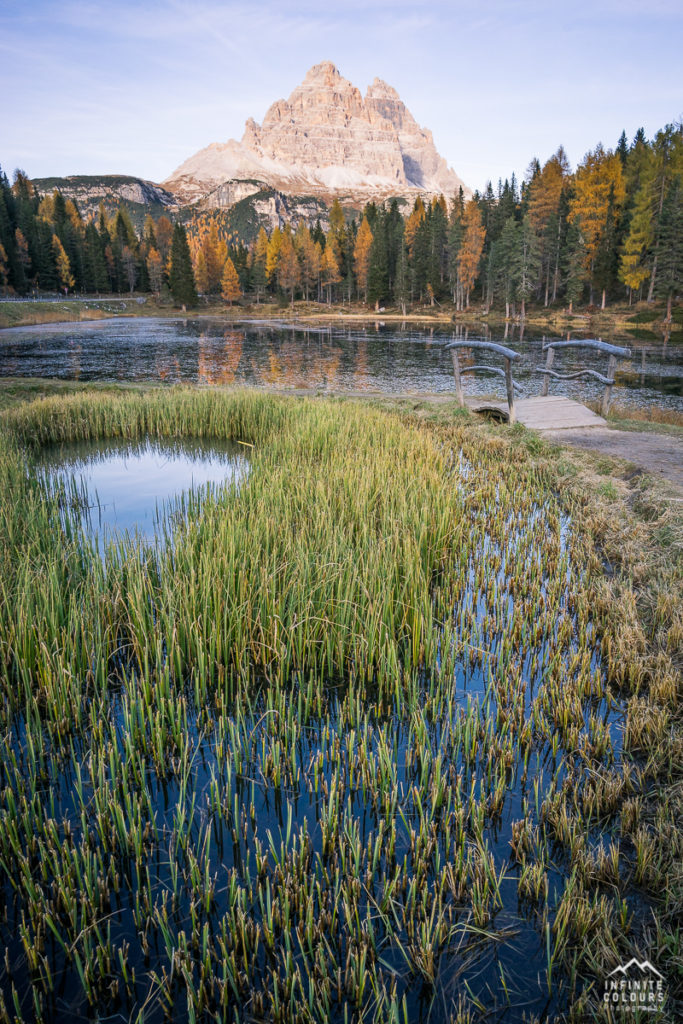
<point x="399" y="359"/>
<point x="128" y="487"/>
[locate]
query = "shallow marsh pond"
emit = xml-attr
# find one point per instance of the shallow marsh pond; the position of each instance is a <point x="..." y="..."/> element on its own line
<point x="132" y="487"/>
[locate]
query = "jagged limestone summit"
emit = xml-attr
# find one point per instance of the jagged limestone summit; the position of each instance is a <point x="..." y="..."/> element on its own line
<point x="326" y="139"/>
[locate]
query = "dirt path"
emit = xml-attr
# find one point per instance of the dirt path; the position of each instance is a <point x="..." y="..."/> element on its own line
<point x="654" y="453"/>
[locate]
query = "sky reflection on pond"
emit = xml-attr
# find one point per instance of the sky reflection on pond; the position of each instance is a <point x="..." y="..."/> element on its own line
<point x="128" y="486"/>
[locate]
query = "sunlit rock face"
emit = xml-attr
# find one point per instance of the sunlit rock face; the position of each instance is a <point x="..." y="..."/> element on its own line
<point x="328" y="139"/>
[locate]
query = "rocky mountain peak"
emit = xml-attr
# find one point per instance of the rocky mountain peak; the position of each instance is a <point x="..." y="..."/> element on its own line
<point x="380" y="89"/>
<point x="326" y="138"/>
<point x="325" y="72"/>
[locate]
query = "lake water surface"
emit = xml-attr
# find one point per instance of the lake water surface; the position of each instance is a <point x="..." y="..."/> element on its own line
<point x="397" y="359"/>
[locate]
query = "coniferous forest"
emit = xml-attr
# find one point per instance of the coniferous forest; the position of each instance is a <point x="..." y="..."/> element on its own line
<point x="609" y="231"/>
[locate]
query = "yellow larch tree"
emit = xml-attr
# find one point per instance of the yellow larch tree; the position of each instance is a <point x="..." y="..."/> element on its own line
<point x="361" y="256"/>
<point x="337" y="229"/>
<point x="598" y="182"/>
<point x="154" y="270"/>
<point x="309" y="254"/>
<point x="543" y="196"/>
<point x="46" y="209"/>
<point x="413" y="222"/>
<point x="273" y="254"/>
<point x="259" y="276"/>
<point x="164" y="233"/>
<point x="545" y="190"/>
<point x="201" y="274"/>
<point x="288" y="273"/>
<point x="329" y="270"/>
<point x="64" y="275"/>
<point x="471" y="248"/>
<point x="74" y="216"/>
<point x="22" y="249"/>
<point x="215" y="252"/>
<point x="230" y="283"/>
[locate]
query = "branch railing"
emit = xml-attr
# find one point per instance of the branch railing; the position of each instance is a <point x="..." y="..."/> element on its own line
<point x="509" y="355"/>
<point x="490" y="346"/>
<point x="613" y="351"/>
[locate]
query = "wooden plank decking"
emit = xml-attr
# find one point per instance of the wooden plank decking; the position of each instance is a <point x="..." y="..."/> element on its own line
<point x="545" y="412"/>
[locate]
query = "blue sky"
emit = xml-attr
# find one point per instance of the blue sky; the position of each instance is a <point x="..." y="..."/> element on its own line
<point x="135" y="88"/>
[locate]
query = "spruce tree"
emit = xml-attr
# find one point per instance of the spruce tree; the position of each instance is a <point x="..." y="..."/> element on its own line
<point x="527" y="262"/>
<point x="402" y="286"/>
<point x="181" y="278"/>
<point x="574" y="264"/>
<point x="378" y="262"/>
<point x="605" y="266"/>
<point x="670" y="278"/>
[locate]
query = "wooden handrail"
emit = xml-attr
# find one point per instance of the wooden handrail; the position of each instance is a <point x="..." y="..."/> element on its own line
<point x="573" y="376"/>
<point x="601" y="346"/>
<point x="613" y="351"/>
<point x="490" y="369"/>
<point x="500" y="349"/>
<point x="508" y="355"/>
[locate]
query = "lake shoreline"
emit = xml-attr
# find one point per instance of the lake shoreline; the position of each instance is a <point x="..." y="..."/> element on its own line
<point x="307" y="356"/>
<point x="34" y="313"/>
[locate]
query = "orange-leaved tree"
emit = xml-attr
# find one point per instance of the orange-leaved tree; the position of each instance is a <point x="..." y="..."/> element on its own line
<point x="471" y="248"/>
<point x="66" y="278"/>
<point x="361" y="256"/>
<point x="599" y="191"/>
<point x="230" y="283"/>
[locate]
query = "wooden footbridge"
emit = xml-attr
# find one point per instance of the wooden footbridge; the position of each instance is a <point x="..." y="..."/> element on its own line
<point x="543" y="412"/>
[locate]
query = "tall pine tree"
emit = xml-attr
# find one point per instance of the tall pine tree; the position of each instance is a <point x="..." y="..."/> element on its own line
<point x="181" y="278"/>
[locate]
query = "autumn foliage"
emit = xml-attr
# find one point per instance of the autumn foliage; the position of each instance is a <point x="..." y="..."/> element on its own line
<point x="611" y="230"/>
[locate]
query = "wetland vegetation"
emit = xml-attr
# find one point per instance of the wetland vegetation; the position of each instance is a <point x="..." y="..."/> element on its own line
<point x="390" y="732"/>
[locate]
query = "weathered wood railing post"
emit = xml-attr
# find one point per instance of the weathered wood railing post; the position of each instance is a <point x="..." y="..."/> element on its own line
<point x="456" y="376"/>
<point x="548" y="367"/>
<point x="510" y="387"/>
<point x="607" y="396"/>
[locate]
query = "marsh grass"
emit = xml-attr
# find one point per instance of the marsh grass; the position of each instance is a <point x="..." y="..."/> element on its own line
<point x="365" y="734"/>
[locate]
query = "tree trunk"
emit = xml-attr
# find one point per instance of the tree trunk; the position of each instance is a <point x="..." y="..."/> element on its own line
<point x="651" y="289"/>
<point x="668" y="307"/>
<point x="556" y="274"/>
<point x="604" y="298"/>
<point x="653" y="275"/>
<point x="571" y="303"/>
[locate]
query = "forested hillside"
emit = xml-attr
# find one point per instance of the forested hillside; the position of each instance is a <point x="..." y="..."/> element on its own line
<point x="612" y="230"/>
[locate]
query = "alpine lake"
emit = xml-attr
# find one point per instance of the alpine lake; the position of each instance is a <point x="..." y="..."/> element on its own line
<point x="310" y="713"/>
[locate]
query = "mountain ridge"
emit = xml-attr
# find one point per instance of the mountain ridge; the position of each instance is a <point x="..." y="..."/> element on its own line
<point x="325" y="139"/>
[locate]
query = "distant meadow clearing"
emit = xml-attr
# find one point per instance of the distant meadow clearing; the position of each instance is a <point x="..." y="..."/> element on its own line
<point x="384" y="731"/>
